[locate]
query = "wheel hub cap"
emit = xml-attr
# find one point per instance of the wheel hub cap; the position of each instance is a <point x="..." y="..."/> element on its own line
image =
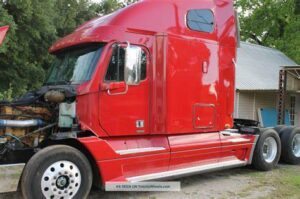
<point x="270" y="150"/>
<point x="296" y="145"/>
<point x="60" y="180"/>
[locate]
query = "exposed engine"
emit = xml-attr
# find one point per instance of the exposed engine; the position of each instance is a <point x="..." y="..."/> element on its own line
<point x="19" y="122"/>
<point x="26" y="122"/>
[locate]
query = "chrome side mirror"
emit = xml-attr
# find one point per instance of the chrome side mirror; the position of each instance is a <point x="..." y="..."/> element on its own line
<point x="133" y="63"/>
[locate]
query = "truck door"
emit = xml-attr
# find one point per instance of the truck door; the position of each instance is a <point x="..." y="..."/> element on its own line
<point x="124" y="108"/>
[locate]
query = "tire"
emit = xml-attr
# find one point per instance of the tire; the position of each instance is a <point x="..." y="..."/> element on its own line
<point x="60" y="171"/>
<point x="279" y="128"/>
<point x="263" y="161"/>
<point x="290" y="138"/>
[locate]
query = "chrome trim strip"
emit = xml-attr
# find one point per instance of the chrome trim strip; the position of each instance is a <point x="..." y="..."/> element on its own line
<point x="236" y="140"/>
<point x="10" y="175"/>
<point x="140" y="150"/>
<point x="189" y="171"/>
<point x="230" y="133"/>
<point x="253" y="149"/>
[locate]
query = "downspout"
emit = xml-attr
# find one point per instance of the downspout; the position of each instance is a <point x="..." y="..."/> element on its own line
<point x="254" y="106"/>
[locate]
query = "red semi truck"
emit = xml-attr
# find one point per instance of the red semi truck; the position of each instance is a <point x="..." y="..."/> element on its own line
<point x="145" y="93"/>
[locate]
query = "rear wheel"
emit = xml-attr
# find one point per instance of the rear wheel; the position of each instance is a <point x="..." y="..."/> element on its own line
<point x="267" y="151"/>
<point x="290" y="138"/>
<point x="279" y="128"/>
<point x="57" y="172"/>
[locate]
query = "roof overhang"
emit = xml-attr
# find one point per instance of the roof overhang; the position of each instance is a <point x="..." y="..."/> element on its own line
<point x="294" y="71"/>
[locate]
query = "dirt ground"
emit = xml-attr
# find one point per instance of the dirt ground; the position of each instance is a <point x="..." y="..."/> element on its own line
<point x="281" y="183"/>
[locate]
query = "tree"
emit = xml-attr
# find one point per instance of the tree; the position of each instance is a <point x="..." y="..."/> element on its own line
<point x="72" y="13"/>
<point x="109" y="6"/>
<point x="273" y="23"/>
<point x="32" y="31"/>
<point x="297" y="7"/>
<point x="34" y="26"/>
<point x="128" y="2"/>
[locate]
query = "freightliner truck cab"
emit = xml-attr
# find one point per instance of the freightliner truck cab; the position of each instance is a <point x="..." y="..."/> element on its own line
<point x="142" y="94"/>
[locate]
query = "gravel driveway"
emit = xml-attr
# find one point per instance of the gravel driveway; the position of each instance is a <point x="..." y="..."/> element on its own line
<point x="283" y="182"/>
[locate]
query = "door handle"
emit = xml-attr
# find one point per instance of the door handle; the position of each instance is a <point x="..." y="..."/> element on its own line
<point x="109" y="87"/>
<point x="119" y="93"/>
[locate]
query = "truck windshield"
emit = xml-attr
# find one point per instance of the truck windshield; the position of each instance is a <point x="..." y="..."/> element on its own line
<point x="74" y="66"/>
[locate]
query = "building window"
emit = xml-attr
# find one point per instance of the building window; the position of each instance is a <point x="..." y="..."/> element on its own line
<point x="201" y="20"/>
<point x="292" y="109"/>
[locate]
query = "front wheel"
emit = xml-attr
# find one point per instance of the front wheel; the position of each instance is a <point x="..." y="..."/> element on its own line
<point x="267" y="151"/>
<point x="57" y="172"/>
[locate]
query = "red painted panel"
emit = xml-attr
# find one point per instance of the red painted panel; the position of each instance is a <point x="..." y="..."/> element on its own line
<point x="122" y="108"/>
<point x="118" y="114"/>
<point x="194" y="149"/>
<point x="158" y="87"/>
<point x="114" y="166"/>
<point x="188" y="86"/>
<point x="87" y="114"/>
<point x="204" y="116"/>
<point x="114" y="170"/>
<point x="237" y="146"/>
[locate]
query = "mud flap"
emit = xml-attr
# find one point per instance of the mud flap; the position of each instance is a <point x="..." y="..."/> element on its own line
<point x="10" y="175"/>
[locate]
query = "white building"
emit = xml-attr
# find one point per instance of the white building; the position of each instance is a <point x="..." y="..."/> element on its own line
<point x="257" y="83"/>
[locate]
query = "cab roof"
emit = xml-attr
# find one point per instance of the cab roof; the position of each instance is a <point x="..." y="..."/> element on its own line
<point x="148" y="17"/>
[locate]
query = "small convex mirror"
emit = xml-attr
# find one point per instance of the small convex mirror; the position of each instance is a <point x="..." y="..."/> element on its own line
<point x="133" y="63"/>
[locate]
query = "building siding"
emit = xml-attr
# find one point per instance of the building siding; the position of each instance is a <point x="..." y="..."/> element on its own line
<point x="293" y="84"/>
<point x="247" y="104"/>
<point x="244" y="106"/>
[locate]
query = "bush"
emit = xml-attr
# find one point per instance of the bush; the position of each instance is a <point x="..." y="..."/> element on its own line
<point x="7" y="95"/>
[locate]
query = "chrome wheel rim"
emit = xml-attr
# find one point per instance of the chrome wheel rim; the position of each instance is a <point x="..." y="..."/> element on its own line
<point x="61" y="180"/>
<point x="296" y="145"/>
<point x="270" y="149"/>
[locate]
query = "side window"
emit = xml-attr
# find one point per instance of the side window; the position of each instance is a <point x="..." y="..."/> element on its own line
<point x="144" y="66"/>
<point x="115" y="72"/>
<point x="201" y="20"/>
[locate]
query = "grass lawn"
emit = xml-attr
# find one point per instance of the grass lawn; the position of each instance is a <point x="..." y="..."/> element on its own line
<point x="282" y="183"/>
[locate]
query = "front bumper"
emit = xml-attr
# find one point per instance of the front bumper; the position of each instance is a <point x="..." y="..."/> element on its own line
<point x="10" y="175"/>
